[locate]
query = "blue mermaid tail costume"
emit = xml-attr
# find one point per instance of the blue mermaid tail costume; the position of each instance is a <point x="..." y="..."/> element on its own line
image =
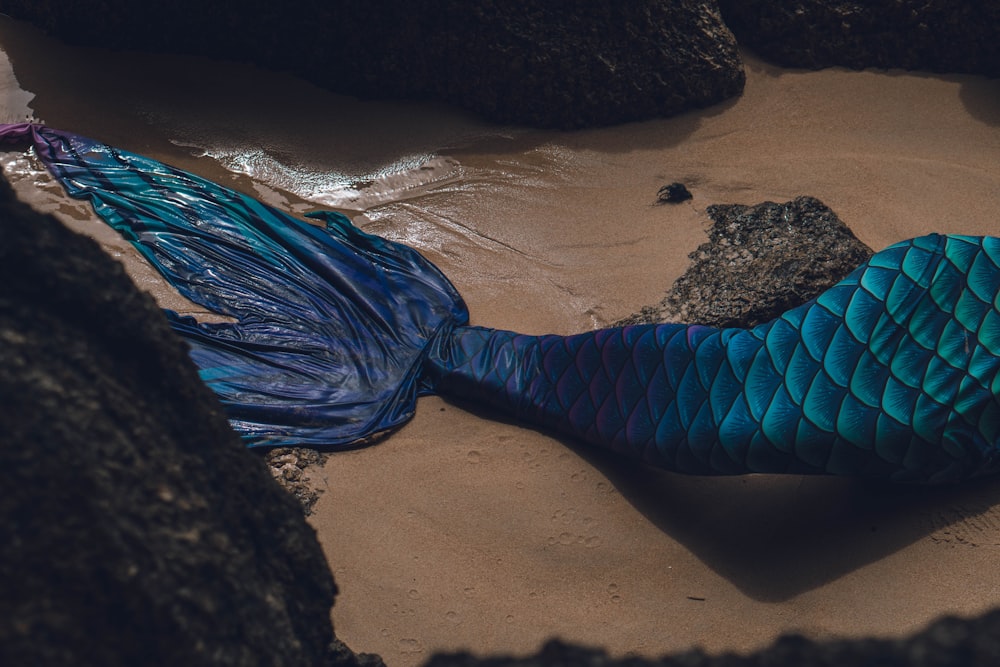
<point x="892" y="373"/>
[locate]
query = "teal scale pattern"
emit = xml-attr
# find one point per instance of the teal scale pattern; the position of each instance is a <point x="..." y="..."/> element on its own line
<point x="890" y="373"/>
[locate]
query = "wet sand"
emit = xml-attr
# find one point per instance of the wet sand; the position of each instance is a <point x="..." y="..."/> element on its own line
<point x="465" y="531"/>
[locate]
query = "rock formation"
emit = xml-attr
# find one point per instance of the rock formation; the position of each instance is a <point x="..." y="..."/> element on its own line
<point x="933" y="35"/>
<point x="549" y="64"/>
<point x="948" y="642"/>
<point x="536" y="62"/>
<point x="759" y="261"/>
<point x="137" y="529"/>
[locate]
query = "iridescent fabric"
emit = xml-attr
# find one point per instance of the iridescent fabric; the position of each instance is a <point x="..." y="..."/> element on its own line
<point x="332" y="324"/>
<point x="891" y="373"/>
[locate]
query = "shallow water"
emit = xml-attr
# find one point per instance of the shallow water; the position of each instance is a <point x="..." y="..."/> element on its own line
<point x="463" y="531"/>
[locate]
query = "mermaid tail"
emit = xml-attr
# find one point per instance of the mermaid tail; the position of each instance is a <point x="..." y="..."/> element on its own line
<point x="891" y="373"/>
<point x="332" y="324"/>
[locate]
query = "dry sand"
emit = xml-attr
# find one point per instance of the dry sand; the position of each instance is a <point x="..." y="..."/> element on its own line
<point x="464" y="531"/>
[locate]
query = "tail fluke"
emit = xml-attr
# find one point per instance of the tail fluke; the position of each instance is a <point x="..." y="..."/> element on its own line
<point x="332" y="324"/>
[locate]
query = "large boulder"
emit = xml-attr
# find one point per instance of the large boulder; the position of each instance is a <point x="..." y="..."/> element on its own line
<point x="758" y="262"/>
<point x="934" y="35"/>
<point x="537" y="62"/>
<point x="948" y="642"/>
<point x="137" y="529"/>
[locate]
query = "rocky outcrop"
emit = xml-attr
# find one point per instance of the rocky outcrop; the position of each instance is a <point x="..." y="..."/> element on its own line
<point x="948" y="642"/>
<point x="535" y="62"/>
<point x="137" y="530"/>
<point x="296" y="469"/>
<point x="933" y="35"/>
<point x="759" y="261"/>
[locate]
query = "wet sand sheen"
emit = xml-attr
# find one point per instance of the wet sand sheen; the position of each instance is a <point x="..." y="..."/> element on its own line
<point x="467" y="531"/>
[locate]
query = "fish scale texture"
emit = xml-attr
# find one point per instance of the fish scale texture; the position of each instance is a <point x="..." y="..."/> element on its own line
<point x="891" y="373"/>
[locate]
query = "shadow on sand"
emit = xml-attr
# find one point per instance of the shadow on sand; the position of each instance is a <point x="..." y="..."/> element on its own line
<point x="775" y="537"/>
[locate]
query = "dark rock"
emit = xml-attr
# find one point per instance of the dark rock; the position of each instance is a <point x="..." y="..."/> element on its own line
<point x="759" y="262"/>
<point x="296" y="469"/>
<point x="935" y="35"/>
<point x="948" y="642"/>
<point x="673" y="193"/>
<point x="137" y="530"/>
<point x="536" y="62"/>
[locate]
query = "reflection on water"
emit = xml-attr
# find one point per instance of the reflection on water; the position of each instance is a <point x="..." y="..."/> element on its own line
<point x="339" y="151"/>
<point x="329" y="149"/>
<point x="397" y="180"/>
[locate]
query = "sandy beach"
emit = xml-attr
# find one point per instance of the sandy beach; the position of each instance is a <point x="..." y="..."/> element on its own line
<point x="464" y="531"/>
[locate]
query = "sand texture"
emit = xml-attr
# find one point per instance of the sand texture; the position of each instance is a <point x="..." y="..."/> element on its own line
<point x="466" y="531"/>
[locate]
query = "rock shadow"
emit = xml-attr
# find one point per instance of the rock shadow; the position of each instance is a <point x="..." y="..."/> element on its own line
<point x="981" y="98"/>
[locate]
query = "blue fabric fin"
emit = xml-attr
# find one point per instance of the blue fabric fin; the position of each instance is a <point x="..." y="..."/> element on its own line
<point x="332" y="324"/>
